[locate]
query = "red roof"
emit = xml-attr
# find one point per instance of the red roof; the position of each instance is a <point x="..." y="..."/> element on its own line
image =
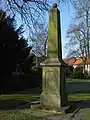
<point x="76" y="61"/>
<point x="70" y="61"/>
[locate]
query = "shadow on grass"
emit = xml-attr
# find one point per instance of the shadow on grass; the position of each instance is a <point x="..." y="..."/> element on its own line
<point x="75" y="87"/>
<point x="81" y="100"/>
<point x="10" y="104"/>
<point x="79" y="92"/>
<point x="85" y="104"/>
<point x="36" y="90"/>
<point x="77" y="82"/>
<point x="78" y="104"/>
<point x="73" y="105"/>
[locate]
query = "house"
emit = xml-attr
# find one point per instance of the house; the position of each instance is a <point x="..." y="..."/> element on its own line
<point x="79" y="62"/>
<point x="75" y="62"/>
<point x="69" y="61"/>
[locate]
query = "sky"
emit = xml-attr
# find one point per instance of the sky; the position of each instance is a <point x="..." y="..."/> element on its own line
<point x="66" y="14"/>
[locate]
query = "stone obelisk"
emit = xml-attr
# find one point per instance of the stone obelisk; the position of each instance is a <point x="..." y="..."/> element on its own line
<point x="53" y="68"/>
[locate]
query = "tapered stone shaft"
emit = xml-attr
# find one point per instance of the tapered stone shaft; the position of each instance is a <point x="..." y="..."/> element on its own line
<point x="54" y="34"/>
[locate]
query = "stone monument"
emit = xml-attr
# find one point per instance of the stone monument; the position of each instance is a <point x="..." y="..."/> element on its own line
<point x="53" y="68"/>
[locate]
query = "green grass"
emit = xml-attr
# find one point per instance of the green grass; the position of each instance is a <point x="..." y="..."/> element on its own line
<point x="77" y="80"/>
<point x="86" y="114"/>
<point x="26" y="114"/>
<point x="21" y="114"/>
<point x="24" y="97"/>
<point x="13" y="100"/>
<point x="18" y="115"/>
<point x="78" y="96"/>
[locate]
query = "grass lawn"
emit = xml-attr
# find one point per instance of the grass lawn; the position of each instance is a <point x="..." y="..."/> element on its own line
<point x="86" y="114"/>
<point x="77" y="80"/>
<point x="28" y="114"/>
<point x="13" y="100"/>
<point x="18" y="115"/>
<point x="78" y="96"/>
<point x="24" y="97"/>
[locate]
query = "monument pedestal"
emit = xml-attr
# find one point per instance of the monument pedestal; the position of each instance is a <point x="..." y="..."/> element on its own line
<point x="53" y="84"/>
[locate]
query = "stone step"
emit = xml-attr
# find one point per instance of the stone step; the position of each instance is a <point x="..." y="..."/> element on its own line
<point x="73" y="107"/>
<point x="53" y="118"/>
<point x="35" y="102"/>
<point x="27" y="105"/>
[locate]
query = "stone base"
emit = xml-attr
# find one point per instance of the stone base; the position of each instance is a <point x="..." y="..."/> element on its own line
<point x="51" y="100"/>
<point x="53" y="83"/>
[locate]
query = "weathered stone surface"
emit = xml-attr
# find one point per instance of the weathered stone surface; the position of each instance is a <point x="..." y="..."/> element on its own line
<point x="54" y="72"/>
<point x="51" y="79"/>
<point x="54" y="34"/>
<point x="54" y="90"/>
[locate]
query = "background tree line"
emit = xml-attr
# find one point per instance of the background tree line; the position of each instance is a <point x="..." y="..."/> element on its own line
<point x="77" y="44"/>
<point x="14" y="50"/>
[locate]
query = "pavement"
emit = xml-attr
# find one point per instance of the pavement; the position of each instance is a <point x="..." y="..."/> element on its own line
<point x="83" y="112"/>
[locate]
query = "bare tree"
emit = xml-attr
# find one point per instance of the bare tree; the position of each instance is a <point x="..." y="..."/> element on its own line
<point x="30" y="12"/>
<point x="39" y="41"/>
<point x="78" y="33"/>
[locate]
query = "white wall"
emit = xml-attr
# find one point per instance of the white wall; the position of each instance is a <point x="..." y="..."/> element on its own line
<point x="87" y="67"/>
